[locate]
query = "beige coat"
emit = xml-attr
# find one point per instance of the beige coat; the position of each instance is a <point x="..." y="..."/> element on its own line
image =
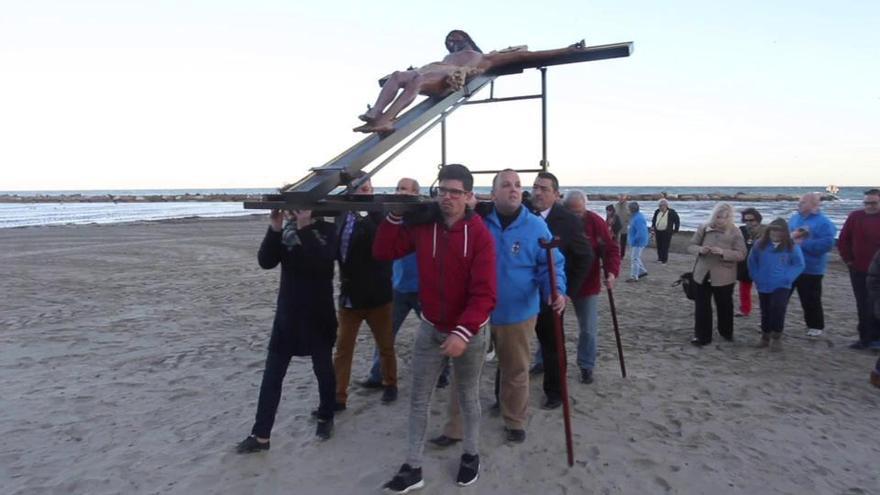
<point x="721" y="268"/>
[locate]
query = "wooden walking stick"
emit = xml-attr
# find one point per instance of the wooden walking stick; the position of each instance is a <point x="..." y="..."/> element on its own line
<point x="560" y="347"/>
<point x="616" y="328"/>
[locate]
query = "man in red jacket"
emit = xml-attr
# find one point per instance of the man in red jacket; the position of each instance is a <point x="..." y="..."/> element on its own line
<point x="858" y="242"/>
<point x="455" y="254"/>
<point x="587" y="301"/>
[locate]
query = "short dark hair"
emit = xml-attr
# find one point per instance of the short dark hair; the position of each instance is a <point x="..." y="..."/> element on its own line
<point x="551" y="177"/>
<point x="455" y="171"/>
<point x="753" y="212"/>
<point x="872" y="192"/>
<point x="609" y="208"/>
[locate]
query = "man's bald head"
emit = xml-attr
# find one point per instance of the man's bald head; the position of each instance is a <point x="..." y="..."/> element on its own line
<point x="408" y="186"/>
<point x="810" y="203"/>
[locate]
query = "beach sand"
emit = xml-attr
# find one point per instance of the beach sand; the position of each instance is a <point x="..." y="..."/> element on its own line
<point x="132" y="357"/>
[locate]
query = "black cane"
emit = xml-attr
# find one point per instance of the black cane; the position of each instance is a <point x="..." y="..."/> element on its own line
<point x="560" y="347"/>
<point x="616" y="327"/>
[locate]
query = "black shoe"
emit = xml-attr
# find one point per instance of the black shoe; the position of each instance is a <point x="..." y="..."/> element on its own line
<point x="389" y="395"/>
<point x="325" y="429"/>
<point x="536" y="369"/>
<point x="370" y="384"/>
<point x="858" y="345"/>
<point x="586" y="376"/>
<point x="407" y="479"/>
<point x="514" y="436"/>
<point x="442" y="382"/>
<point x="552" y="403"/>
<point x="337" y="408"/>
<point x="699" y="343"/>
<point x="250" y="445"/>
<point x="443" y="441"/>
<point x="469" y="470"/>
<point x="643" y="275"/>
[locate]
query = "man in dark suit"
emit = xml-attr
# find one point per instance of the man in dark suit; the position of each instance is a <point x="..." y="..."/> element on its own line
<point x="364" y="295"/>
<point x="578" y="260"/>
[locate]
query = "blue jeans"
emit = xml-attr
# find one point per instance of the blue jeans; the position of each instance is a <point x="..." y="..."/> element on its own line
<point x="403" y="303"/>
<point x="587" y="311"/>
<point x="637" y="268"/>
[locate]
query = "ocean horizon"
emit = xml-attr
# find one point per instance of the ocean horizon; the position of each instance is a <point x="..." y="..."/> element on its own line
<point x="692" y="213"/>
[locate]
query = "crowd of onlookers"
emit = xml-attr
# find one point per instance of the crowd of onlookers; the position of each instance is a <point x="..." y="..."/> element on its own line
<point x="479" y="275"/>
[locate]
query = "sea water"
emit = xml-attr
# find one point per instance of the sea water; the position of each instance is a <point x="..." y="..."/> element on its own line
<point x="692" y="213"/>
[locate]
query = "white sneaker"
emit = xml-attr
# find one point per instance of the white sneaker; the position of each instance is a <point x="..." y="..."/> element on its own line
<point x="814" y="332"/>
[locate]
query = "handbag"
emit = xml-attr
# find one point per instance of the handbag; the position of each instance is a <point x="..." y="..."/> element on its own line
<point x="686" y="279"/>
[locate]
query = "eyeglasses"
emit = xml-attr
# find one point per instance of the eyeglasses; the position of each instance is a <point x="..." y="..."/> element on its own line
<point x="452" y="193"/>
<point x="872" y="203"/>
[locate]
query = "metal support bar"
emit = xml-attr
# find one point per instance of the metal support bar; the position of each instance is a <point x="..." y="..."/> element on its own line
<point x="443" y="142"/>
<point x="507" y="98"/>
<point x="525" y="171"/>
<point x="544" y="163"/>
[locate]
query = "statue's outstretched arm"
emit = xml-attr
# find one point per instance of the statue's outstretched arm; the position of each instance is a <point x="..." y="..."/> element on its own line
<point x="497" y="60"/>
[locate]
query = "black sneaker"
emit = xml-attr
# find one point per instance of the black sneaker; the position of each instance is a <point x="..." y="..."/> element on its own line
<point x="552" y="403"/>
<point x="250" y="445"/>
<point x="337" y="408"/>
<point x="325" y="429"/>
<point x="389" y="395"/>
<point x="468" y="470"/>
<point x="514" y="436"/>
<point x="406" y="480"/>
<point x="586" y="376"/>
<point x="370" y="384"/>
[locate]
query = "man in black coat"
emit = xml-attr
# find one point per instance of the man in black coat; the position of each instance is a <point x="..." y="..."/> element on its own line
<point x="578" y="261"/>
<point x="305" y="319"/>
<point x="364" y="295"/>
<point x="664" y="225"/>
<point x="873" y="284"/>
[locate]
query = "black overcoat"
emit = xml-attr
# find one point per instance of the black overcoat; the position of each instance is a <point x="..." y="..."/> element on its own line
<point x="305" y="316"/>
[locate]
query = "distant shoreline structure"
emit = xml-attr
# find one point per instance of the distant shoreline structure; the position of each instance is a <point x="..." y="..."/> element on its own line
<point x="226" y="197"/>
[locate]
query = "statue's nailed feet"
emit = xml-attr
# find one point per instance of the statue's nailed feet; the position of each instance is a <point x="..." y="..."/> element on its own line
<point x="379" y="126"/>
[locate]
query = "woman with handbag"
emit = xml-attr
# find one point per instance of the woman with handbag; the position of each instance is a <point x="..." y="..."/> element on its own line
<point x="719" y="245"/>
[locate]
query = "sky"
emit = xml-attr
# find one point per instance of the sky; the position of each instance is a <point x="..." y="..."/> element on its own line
<point x="220" y="94"/>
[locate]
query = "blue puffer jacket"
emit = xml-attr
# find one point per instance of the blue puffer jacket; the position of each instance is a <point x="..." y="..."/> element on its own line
<point x="819" y="242"/>
<point x="772" y="268"/>
<point x="637" y="235"/>
<point x="521" y="263"/>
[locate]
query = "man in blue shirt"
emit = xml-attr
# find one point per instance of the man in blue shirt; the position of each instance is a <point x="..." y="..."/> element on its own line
<point x="814" y="233"/>
<point x="523" y="283"/>
<point x="405" y="296"/>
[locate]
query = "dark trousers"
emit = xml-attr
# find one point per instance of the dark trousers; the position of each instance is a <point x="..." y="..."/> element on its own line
<point x="273" y="378"/>
<point x="773" y="306"/>
<point x="664" y="239"/>
<point x="703" y="311"/>
<point x="869" y="326"/>
<point x="546" y="331"/>
<point x="809" y="289"/>
<point x="623" y="238"/>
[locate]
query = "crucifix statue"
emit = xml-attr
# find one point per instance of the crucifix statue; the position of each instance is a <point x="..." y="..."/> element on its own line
<point x="465" y="61"/>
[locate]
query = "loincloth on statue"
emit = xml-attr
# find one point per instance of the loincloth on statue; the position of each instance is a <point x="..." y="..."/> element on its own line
<point x="454" y="76"/>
